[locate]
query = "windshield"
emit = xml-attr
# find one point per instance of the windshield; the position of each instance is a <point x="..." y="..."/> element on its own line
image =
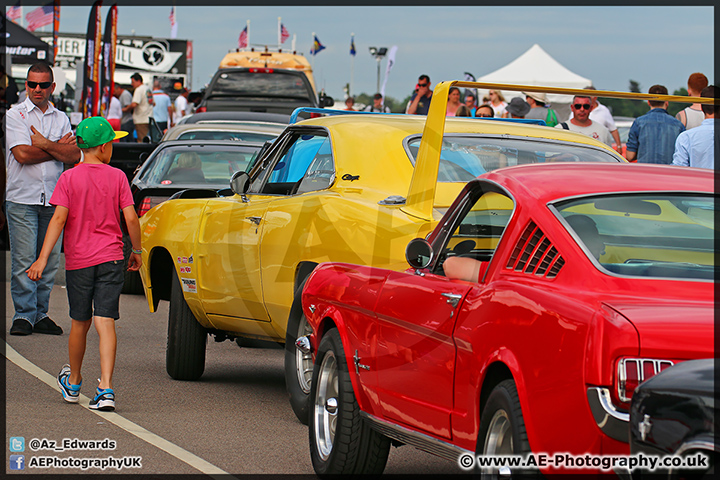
<point x="646" y="235"/>
<point x="259" y="84"/>
<point x="208" y="164"/>
<point x="464" y="157"/>
<point x="226" y="135"/>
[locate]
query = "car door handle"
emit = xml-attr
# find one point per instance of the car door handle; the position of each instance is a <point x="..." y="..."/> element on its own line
<point x="255" y="220"/>
<point x="452" y="298"/>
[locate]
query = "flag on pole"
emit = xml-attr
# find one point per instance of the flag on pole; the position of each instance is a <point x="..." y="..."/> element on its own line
<point x="352" y="46"/>
<point x="56" y="28"/>
<point x="284" y="34"/>
<point x="14" y="13"/>
<point x="107" y="78"/>
<point x="91" y="78"/>
<point x="390" y="63"/>
<point x="243" y="39"/>
<point x="469" y="77"/>
<point x="317" y="46"/>
<point x="173" y="23"/>
<point x="40" y="17"/>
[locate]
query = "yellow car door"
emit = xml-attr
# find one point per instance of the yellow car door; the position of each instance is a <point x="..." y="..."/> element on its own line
<point x="228" y="261"/>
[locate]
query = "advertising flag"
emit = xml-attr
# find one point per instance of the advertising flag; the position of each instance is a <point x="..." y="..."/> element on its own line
<point x="317" y="46"/>
<point x="40" y="17"/>
<point x="14" y="13"/>
<point x="91" y="91"/>
<point x="243" y="39"/>
<point x="173" y="23"/>
<point x="352" y="46"/>
<point x="284" y="34"/>
<point x="469" y="77"/>
<point x="56" y="28"/>
<point x="390" y="63"/>
<point x="108" y="60"/>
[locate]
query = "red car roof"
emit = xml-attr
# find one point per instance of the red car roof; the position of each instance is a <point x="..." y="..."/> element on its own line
<point x="549" y="182"/>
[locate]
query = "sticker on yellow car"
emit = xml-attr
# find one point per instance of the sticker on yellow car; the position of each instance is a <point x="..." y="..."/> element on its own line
<point x="188" y="285"/>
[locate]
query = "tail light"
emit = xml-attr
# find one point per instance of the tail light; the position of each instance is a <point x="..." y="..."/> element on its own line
<point x="148" y="203"/>
<point x="315" y="115"/>
<point x="632" y="372"/>
<point x="261" y="70"/>
<point x="201" y="110"/>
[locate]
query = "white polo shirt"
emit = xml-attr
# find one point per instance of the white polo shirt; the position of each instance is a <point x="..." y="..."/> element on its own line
<point x="32" y="184"/>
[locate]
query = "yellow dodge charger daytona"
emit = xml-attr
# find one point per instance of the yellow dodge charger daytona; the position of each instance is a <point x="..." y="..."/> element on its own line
<point x="343" y="188"/>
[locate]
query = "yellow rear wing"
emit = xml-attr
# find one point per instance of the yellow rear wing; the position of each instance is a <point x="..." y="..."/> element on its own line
<point x="421" y="195"/>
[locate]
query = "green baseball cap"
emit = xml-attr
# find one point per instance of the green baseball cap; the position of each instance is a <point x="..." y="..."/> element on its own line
<point x="94" y="131"/>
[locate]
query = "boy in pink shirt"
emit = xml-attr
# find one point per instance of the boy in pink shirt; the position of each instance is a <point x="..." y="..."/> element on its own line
<point x="88" y="200"/>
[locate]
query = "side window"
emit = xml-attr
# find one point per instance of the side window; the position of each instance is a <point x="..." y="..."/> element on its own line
<point x="477" y="232"/>
<point x="304" y="165"/>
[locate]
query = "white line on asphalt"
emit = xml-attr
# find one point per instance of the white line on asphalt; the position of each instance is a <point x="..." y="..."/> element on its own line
<point x="130" y="427"/>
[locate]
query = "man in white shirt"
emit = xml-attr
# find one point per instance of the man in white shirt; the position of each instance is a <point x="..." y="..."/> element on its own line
<point x="181" y="106"/>
<point x="141" y="106"/>
<point x="39" y="140"/>
<point x="600" y="113"/>
<point x="580" y="121"/>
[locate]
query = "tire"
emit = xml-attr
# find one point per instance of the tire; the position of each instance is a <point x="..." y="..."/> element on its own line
<point x="298" y="365"/>
<point x="187" y="339"/>
<point x="340" y="441"/>
<point x="133" y="283"/>
<point x="502" y="428"/>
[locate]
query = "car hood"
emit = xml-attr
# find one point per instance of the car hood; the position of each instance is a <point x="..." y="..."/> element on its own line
<point x="675" y="331"/>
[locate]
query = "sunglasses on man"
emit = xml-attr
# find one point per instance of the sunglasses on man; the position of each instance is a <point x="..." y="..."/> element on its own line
<point x="33" y="85"/>
<point x="423" y="84"/>
<point x="580" y="106"/>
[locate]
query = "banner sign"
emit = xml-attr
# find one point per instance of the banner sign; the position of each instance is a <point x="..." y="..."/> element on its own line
<point x="131" y="53"/>
<point x="92" y="52"/>
<point x="108" y="62"/>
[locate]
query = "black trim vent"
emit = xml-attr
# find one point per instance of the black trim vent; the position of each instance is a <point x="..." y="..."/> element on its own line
<point x="535" y="254"/>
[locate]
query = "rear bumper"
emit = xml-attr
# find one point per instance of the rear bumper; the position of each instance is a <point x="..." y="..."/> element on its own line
<point x="610" y="420"/>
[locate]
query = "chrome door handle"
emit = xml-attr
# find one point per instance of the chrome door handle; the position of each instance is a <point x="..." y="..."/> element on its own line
<point x="255" y="220"/>
<point x="452" y="298"/>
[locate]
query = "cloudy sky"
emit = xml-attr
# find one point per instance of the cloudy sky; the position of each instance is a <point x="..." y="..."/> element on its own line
<point x="609" y="45"/>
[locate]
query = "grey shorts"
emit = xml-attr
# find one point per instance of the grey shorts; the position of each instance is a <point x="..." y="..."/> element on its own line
<point x="99" y="284"/>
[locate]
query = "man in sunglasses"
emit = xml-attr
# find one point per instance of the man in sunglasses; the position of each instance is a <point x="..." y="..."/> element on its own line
<point x="420" y="100"/>
<point x="580" y="122"/>
<point x="39" y="142"/>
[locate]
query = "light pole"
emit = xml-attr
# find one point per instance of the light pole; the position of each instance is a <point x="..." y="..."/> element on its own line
<point x="378" y="53"/>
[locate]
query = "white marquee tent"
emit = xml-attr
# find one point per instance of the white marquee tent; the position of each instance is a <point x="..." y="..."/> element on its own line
<point x="537" y="67"/>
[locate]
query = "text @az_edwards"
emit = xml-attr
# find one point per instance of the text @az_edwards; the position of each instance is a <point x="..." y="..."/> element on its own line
<point x="38" y="444"/>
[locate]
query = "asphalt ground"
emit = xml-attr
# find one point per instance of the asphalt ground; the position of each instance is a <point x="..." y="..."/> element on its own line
<point x="235" y="420"/>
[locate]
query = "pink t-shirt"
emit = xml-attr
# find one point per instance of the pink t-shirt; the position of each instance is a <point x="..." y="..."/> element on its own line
<point x="94" y="194"/>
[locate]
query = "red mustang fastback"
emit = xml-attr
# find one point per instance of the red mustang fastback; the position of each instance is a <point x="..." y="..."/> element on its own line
<point x="585" y="281"/>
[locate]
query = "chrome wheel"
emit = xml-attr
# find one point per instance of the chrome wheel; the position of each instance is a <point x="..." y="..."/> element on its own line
<point x="325" y="409"/>
<point x="303" y="360"/>
<point x="502" y="430"/>
<point x="499" y="436"/>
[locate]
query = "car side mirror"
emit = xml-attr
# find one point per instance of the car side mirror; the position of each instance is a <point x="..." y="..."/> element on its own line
<point x="147" y="139"/>
<point x="240" y="182"/>
<point x="419" y="253"/>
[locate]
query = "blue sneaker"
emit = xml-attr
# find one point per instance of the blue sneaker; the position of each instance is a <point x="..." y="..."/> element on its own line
<point x="104" y="400"/>
<point x="70" y="392"/>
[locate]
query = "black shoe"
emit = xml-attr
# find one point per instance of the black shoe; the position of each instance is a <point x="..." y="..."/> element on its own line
<point x="48" y="327"/>
<point x="21" y="327"/>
